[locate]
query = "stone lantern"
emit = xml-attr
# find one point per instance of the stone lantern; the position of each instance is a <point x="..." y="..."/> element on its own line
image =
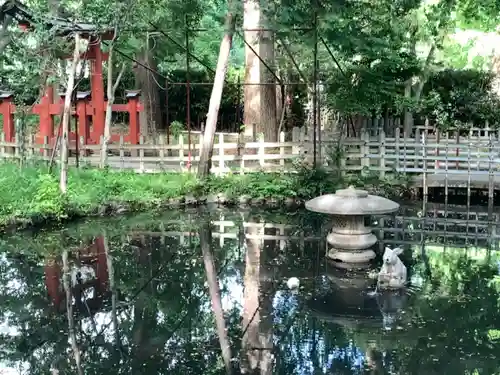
<point x="350" y="239"/>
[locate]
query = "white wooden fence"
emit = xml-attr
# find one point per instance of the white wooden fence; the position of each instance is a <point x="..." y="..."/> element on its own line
<point x="426" y="152"/>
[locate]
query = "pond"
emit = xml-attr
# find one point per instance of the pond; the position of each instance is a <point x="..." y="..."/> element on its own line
<point x="161" y="295"/>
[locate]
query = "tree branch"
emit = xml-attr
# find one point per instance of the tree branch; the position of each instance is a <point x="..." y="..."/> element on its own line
<point x="118" y="79"/>
<point x="4" y="33"/>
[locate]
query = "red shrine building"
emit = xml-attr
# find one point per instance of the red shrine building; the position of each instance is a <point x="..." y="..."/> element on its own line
<point x="89" y="108"/>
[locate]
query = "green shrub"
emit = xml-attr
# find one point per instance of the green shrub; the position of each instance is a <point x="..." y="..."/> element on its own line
<point x="456" y="98"/>
<point x="31" y="191"/>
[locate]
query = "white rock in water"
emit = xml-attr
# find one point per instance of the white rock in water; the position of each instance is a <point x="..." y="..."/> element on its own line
<point x="293" y="283"/>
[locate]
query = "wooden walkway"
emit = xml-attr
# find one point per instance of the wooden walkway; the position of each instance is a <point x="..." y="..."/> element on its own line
<point x="458" y="180"/>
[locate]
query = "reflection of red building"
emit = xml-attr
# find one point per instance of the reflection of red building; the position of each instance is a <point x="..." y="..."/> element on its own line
<point x="93" y="256"/>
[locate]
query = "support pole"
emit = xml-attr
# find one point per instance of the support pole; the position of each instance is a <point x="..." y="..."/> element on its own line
<point x="315" y="85"/>
<point x="188" y="94"/>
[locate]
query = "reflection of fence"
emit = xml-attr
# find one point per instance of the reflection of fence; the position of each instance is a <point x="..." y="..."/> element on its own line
<point x="438" y="226"/>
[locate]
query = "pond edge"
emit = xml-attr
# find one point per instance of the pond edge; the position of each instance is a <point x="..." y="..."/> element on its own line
<point x="117" y="208"/>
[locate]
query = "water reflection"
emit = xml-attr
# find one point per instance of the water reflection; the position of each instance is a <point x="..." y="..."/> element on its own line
<point x="205" y="293"/>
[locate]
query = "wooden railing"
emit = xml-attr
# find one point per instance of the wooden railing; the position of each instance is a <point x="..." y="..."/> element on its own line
<point x="427" y="152"/>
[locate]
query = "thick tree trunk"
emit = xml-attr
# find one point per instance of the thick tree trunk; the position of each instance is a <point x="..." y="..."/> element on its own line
<point x="150" y="118"/>
<point x="213" y="108"/>
<point x="260" y="93"/>
<point x="67" y="115"/>
<point x="4" y="33"/>
<point x="408" y="115"/>
<point x="214" y="290"/>
<point x="257" y="345"/>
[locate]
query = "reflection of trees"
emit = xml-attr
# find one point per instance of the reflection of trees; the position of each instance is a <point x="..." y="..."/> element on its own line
<point x="257" y="340"/>
<point x="69" y="314"/>
<point x="159" y="320"/>
<point x="213" y="287"/>
<point x="162" y="313"/>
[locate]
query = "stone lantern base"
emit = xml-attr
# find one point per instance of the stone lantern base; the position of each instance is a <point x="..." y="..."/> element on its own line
<point x="350" y="242"/>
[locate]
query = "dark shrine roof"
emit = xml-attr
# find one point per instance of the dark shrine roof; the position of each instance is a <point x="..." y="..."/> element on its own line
<point x="23" y="14"/>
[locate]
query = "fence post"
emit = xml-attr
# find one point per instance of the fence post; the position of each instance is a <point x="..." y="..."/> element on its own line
<point x="122" y="151"/>
<point x="365" y="149"/>
<point x="381" y="139"/>
<point x="491" y="177"/>
<point x="295" y="139"/>
<point x="222" y="165"/>
<point x="262" y="151"/>
<point x="2" y="138"/>
<point x="446" y="148"/>
<point x="101" y="142"/>
<point x="302" y="142"/>
<point x="31" y="142"/>
<point x="241" y="146"/>
<point x="397" y="135"/>
<point x="82" y="149"/>
<point x="424" y="163"/>
<point x="45" y="146"/>
<point x="181" y="151"/>
<point x="282" y="150"/>
<point x="19" y="142"/>
<point x="161" y="152"/>
<point x="418" y="149"/>
<point x="141" y="154"/>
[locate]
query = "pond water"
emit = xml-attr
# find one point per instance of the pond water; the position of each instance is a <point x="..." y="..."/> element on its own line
<point x="143" y="296"/>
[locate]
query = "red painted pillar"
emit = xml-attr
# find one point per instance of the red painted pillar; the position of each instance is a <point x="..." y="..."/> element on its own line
<point x="97" y="90"/>
<point x="7" y="112"/>
<point x="82" y="102"/>
<point x="52" y="280"/>
<point x="46" y="120"/>
<point x="102" y="264"/>
<point x="134" y="108"/>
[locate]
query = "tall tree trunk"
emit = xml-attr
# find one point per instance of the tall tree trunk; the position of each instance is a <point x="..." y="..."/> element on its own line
<point x="408" y="115"/>
<point x="67" y="115"/>
<point x="112" y="287"/>
<point x="260" y="91"/>
<point x="417" y="90"/>
<point x="213" y="108"/>
<point x="150" y="118"/>
<point x="257" y="344"/>
<point x="69" y="313"/>
<point x="214" y="290"/>
<point x="4" y="33"/>
<point x="111" y="90"/>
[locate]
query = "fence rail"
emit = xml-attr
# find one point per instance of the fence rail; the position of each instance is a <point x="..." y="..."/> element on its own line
<point x="474" y="158"/>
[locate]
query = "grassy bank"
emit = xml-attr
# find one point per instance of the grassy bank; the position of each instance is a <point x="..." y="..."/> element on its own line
<point x="30" y="194"/>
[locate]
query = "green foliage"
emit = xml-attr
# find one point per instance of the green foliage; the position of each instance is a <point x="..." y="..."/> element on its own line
<point x="457" y="98"/>
<point x="372" y="85"/>
<point x="30" y="193"/>
<point x="48" y="199"/>
<point x="176" y="128"/>
<point x="200" y="95"/>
